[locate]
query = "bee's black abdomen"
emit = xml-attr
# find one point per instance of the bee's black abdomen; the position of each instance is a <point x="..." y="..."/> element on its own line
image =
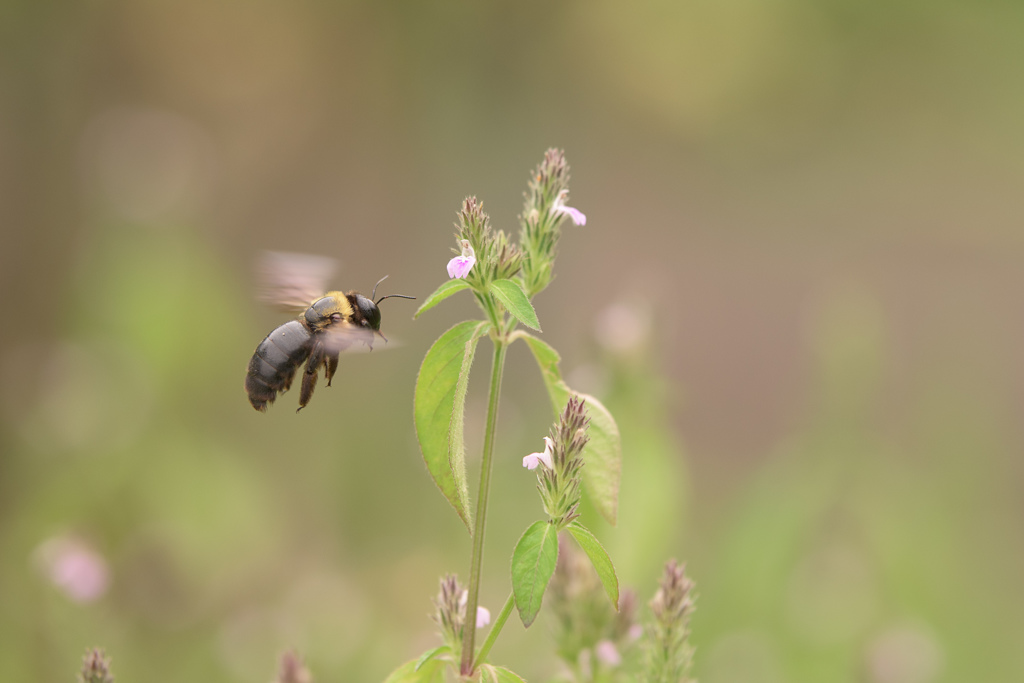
<point x="273" y="365"/>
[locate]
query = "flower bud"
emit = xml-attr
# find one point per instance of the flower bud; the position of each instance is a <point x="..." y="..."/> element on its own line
<point x="669" y="650"/>
<point x="95" y="668"/>
<point x="485" y="255"/>
<point x="292" y="670"/>
<point x="450" y="606"/>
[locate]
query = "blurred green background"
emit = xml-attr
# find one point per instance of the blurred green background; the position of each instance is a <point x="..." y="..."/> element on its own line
<point x="800" y="289"/>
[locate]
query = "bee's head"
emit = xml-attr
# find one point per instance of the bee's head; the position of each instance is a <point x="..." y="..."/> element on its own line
<point x="369" y="311"/>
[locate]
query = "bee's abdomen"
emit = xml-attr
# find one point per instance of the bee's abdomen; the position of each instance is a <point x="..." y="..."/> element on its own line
<point x="273" y="366"/>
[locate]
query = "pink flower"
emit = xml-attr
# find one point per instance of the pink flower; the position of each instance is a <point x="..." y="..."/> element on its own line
<point x="74" y="567"/>
<point x="460" y="266"/>
<point x="559" y="207"/>
<point x="607" y="653"/>
<point x="483" y="615"/>
<point x="531" y="461"/>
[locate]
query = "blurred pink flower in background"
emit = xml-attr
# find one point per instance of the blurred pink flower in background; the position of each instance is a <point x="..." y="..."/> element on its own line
<point x="74" y="567"/>
<point x="607" y="653"/>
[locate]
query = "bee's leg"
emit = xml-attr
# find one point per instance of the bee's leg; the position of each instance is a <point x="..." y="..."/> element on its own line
<point x="313" y="363"/>
<point x="288" y="380"/>
<point x="332" y="366"/>
<point x="308" y="385"/>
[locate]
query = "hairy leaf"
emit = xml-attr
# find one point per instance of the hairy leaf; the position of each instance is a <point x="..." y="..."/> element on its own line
<point x="498" y="674"/>
<point x="533" y="563"/>
<point x="411" y="672"/>
<point x="439" y="408"/>
<point x="446" y="289"/>
<point x="431" y="654"/>
<point x="514" y="299"/>
<point x="599" y="558"/>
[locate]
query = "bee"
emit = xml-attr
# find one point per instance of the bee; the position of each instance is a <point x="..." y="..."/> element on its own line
<point x="329" y="323"/>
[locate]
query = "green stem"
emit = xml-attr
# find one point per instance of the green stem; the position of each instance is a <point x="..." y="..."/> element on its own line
<point x="486" y="302"/>
<point x="485" y="649"/>
<point x="469" y="627"/>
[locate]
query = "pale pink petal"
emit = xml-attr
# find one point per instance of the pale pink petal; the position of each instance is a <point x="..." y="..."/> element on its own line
<point x="483" y="617"/>
<point x="607" y="653"/>
<point x="460" y="266"/>
<point x="576" y="215"/>
<point x="549" y="447"/>
<point x="533" y="459"/>
<point x="559" y="207"/>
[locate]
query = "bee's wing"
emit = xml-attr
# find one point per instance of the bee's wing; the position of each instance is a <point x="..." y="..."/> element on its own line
<point x="293" y="281"/>
<point x="345" y="337"/>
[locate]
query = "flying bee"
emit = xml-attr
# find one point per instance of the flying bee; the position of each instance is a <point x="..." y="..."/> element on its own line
<point x="328" y="325"/>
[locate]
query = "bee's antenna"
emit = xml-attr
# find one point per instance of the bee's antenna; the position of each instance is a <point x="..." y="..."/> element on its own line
<point x="374" y="292"/>
<point x="399" y="296"/>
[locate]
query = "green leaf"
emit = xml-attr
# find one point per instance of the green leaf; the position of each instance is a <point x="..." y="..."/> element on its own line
<point x="439" y="409"/>
<point x="457" y="425"/>
<point x="512" y="296"/>
<point x="431" y="654"/>
<point x="599" y="558"/>
<point x="411" y="672"/>
<point x="603" y="457"/>
<point x="547" y="360"/>
<point x="498" y="674"/>
<point x="603" y="453"/>
<point x="446" y="289"/>
<point x="533" y="563"/>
